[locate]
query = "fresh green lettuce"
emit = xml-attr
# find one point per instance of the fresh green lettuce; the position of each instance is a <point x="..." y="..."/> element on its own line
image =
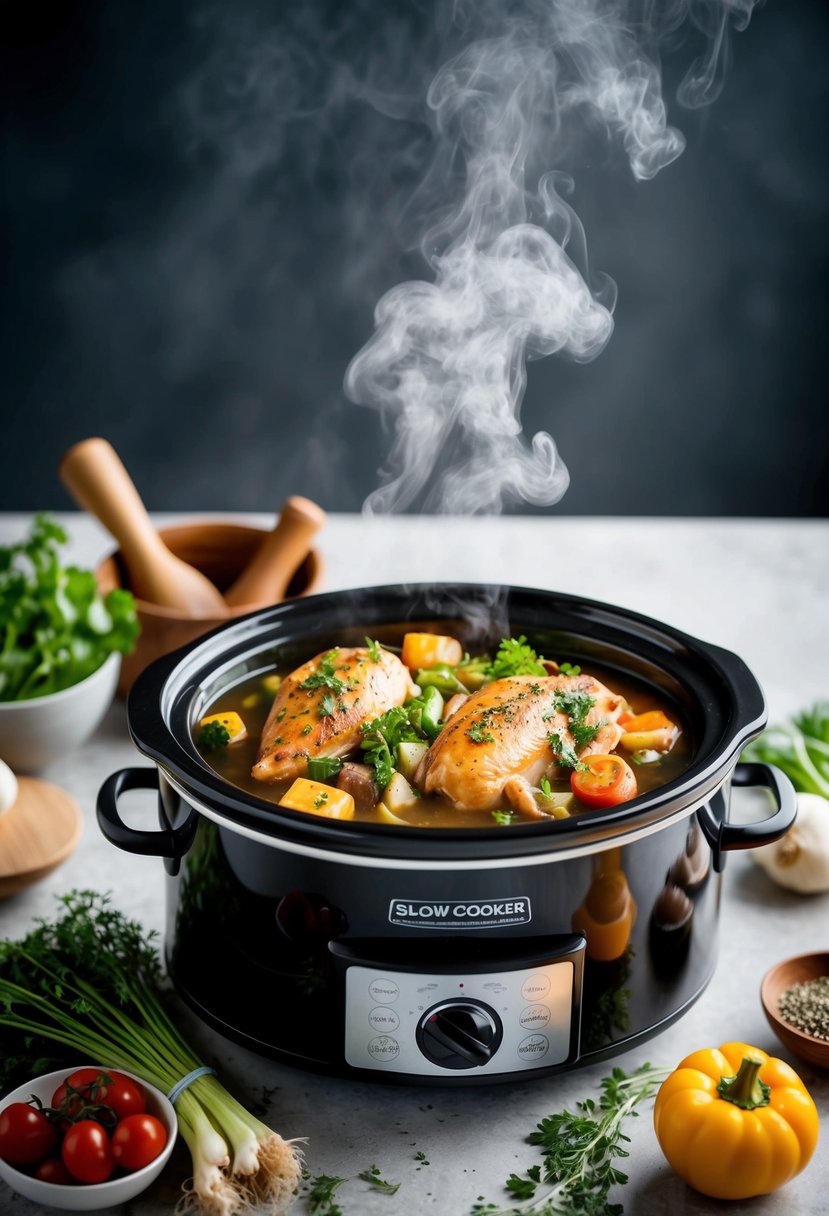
<point x="55" y="626"/>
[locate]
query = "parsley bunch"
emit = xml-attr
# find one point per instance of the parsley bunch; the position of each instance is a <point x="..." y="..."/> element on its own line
<point x="55" y="626"/>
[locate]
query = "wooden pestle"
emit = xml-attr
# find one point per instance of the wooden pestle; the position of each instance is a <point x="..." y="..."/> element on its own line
<point x="266" y="578"/>
<point x="95" y="477"/>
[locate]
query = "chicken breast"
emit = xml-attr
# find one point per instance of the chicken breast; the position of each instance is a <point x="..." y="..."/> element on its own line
<point x="320" y="708"/>
<point x="514" y="731"/>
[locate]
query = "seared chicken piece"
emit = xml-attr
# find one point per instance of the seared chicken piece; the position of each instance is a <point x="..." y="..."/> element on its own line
<point x="514" y="731"/>
<point x="321" y="706"/>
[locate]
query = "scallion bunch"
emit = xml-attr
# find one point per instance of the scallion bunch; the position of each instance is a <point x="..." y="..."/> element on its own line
<point x="91" y="981"/>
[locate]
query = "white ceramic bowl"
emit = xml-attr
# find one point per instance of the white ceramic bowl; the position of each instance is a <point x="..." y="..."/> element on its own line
<point x="36" y="732"/>
<point x="90" y="1197"/>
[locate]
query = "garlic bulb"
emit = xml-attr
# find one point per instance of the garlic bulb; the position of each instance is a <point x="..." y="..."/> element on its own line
<point x="8" y="788"/>
<point x="800" y="859"/>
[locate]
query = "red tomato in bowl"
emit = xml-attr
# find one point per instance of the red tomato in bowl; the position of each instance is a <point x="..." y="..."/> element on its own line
<point x="603" y="781"/>
<point x="120" y="1093"/>
<point x="26" y="1135"/>
<point x="86" y="1152"/>
<point x="137" y="1140"/>
<point x="53" y="1170"/>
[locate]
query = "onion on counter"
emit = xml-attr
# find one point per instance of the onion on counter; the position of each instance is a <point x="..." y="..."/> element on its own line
<point x="799" y="860"/>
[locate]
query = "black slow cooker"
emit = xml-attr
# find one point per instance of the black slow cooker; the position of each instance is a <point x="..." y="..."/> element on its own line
<point x="444" y="955"/>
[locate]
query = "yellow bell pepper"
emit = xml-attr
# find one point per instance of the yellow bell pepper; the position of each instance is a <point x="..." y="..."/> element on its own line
<point x="734" y="1122"/>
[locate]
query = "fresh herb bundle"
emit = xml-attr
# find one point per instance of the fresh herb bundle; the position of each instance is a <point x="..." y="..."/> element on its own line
<point x="579" y="1151"/>
<point x="55" y="626"/>
<point x="90" y="981"/>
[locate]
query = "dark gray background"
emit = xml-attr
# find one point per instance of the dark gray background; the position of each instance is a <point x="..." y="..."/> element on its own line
<point x="196" y="244"/>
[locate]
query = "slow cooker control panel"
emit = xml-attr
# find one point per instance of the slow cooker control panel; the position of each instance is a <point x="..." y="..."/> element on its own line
<point x="464" y="1020"/>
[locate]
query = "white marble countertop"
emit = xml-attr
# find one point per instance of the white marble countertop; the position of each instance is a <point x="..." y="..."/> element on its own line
<point x="756" y="587"/>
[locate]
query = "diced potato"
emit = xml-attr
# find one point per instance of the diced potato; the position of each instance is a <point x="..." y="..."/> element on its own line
<point x="316" y="798"/>
<point x="428" y="649"/>
<point x="232" y="723"/>
<point x="270" y="685"/>
<point x="385" y="815"/>
<point x="251" y="700"/>
<point x="651" y="731"/>
<point x="399" y="795"/>
<point x="409" y="756"/>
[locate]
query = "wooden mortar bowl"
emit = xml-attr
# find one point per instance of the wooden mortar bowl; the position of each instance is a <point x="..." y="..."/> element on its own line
<point x="798" y="970"/>
<point x="219" y="550"/>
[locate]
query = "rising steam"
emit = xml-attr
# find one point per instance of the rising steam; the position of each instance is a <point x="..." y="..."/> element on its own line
<point x="446" y="365"/>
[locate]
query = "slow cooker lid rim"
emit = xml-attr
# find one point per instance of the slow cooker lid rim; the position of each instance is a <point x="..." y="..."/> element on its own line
<point x="153" y="735"/>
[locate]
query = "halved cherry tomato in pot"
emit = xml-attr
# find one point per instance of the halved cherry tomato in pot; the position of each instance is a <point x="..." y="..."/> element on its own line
<point x="604" y="781"/>
<point x="86" y="1151"/>
<point x="53" y="1170"/>
<point x="26" y="1135"/>
<point x="137" y="1140"/>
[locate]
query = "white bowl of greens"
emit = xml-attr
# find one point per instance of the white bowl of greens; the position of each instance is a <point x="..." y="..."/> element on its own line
<point x="61" y="643"/>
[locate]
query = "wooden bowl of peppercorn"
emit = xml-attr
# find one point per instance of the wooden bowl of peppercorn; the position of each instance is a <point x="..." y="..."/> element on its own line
<point x="795" y="998"/>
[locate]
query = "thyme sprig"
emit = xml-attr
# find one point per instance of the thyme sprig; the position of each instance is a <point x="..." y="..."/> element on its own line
<point x="579" y="1152"/>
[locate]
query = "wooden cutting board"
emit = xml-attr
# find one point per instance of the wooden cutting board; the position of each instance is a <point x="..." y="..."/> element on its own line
<point x="39" y="832"/>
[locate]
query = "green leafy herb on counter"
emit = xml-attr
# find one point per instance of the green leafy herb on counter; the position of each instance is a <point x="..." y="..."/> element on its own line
<point x="320" y="1193"/>
<point x="89" y="983"/>
<point x="319" y="1190"/>
<point x="579" y="1151"/>
<point x="374" y="1178"/>
<point x="55" y="626"/>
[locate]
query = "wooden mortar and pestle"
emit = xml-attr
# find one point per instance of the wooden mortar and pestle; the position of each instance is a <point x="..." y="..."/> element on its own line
<point x="189" y="578"/>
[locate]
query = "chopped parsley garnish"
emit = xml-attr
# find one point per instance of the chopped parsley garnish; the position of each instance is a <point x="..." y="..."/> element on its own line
<point x="577" y="705"/>
<point x="306" y="730"/>
<point x="324" y="677"/>
<point x="281" y="713"/>
<point x="564" y="751"/>
<point x="373" y="649"/>
<point x="213" y="736"/>
<point x="515" y="657"/>
<point x="545" y="788"/>
<point x="479" y="734"/>
<point x="320" y="800"/>
<point x="502" y="818"/>
<point x="326" y="708"/>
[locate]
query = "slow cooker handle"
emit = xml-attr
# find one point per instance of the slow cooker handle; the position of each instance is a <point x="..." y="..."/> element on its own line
<point x="724" y="836"/>
<point x="166" y="842"/>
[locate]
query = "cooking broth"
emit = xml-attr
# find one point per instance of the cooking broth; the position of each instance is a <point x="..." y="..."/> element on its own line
<point x="252" y="699"/>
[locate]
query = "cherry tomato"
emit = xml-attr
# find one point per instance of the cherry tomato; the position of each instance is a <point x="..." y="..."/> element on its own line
<point x="137" y="1140"/>
<point x="53" y="1170"/>
<point x="605" y="781"/>
<point x="26" y="1135"/>
<point x="86" y="1152"/>
<point x="120" y="1093"/>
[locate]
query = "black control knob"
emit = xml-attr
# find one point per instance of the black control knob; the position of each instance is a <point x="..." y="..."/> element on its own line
<point x="459" y="1034"/>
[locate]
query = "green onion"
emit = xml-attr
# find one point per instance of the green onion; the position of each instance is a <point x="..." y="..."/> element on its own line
<point x="90" y="981"/>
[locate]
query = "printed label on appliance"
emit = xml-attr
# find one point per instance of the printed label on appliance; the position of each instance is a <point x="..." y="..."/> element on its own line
<point x="466" y="914"/>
